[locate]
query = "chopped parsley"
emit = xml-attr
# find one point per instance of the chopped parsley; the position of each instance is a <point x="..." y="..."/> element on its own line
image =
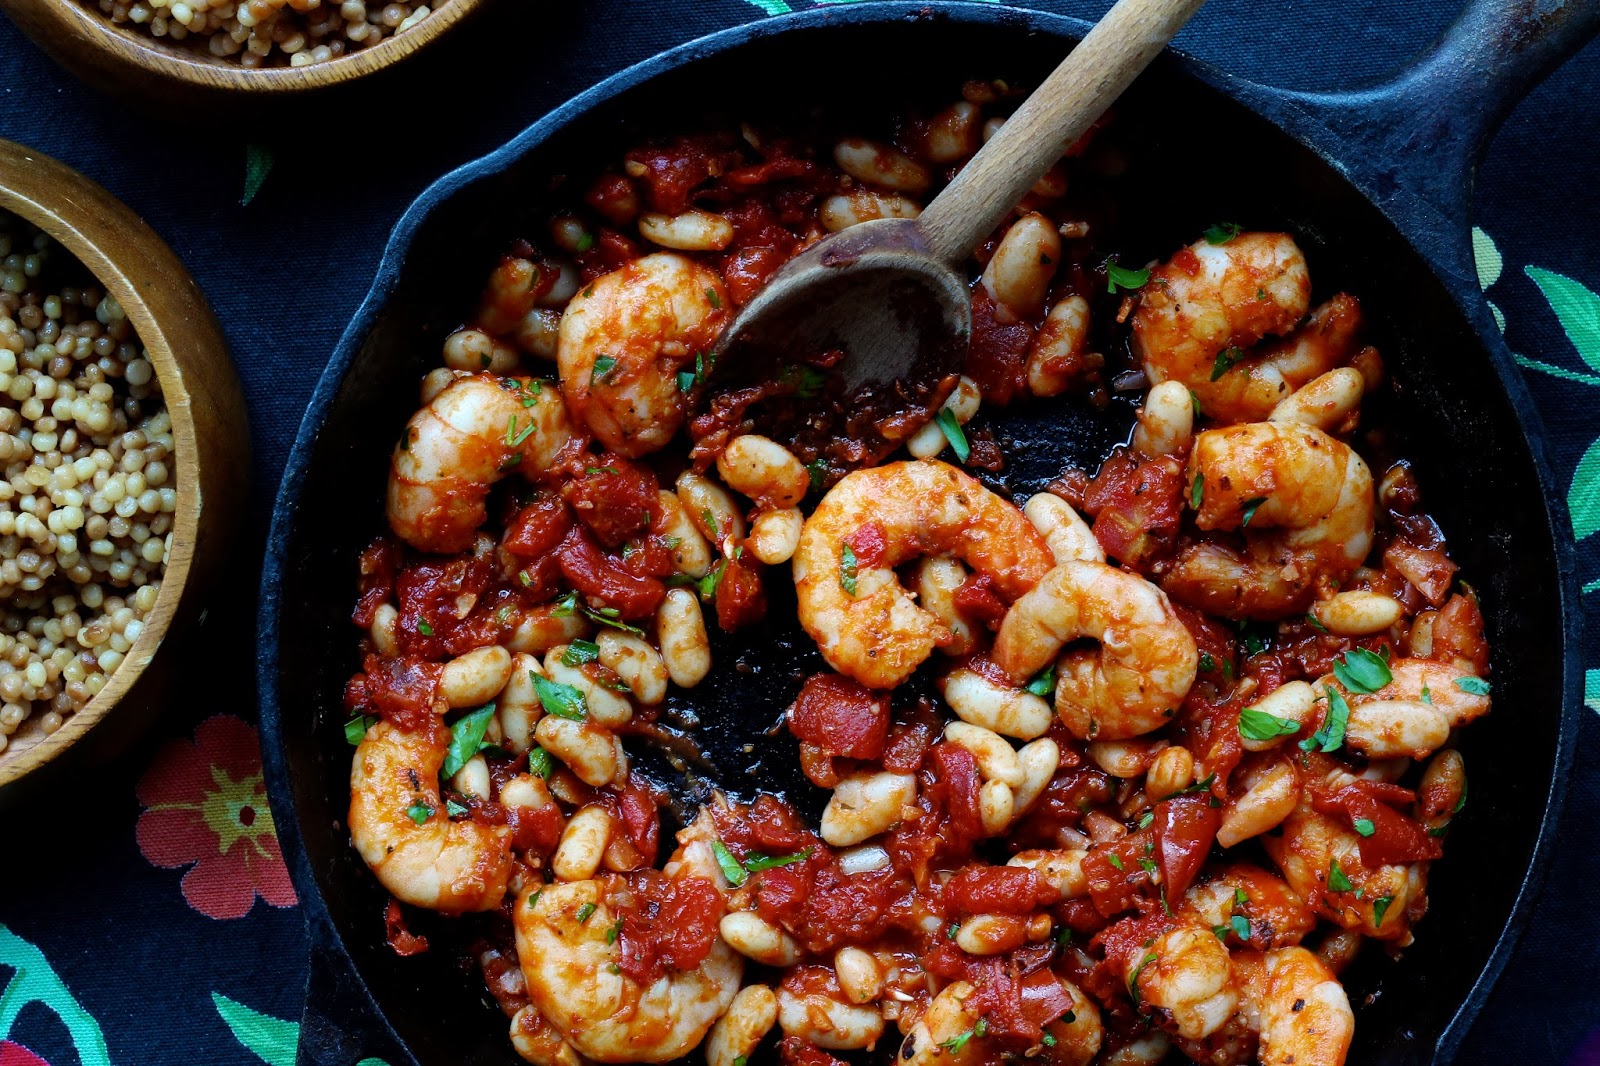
<point x="817" y="471"/>
<point x="1363" y="671"/>
<point x="1197" y="491"/>
<point x="1133" y="978"/>
<point x="466" y="739"/>
<point x="707" y="586"/>
<point x="1261" y="726"/>
<point x="562" y="701"/>
<point x="1044" y="683"/>
<point x="1364" y="826"/>
<point x="1380" y="907"/>
<point x="585" y="912"/>
<point x="954" y="434"/>
<point x="685" y="381"/>
<point x="1116" y="860"/>
<point x="586" y="242"/>
<point x="419" y="812"/>
<point x="1337" y="879"/>
<point x="1250" y="507"/>
<point x="424" y="628"/>
<point x="1475" y="686"/>
<point x="603" y="367"/>
<point x="1122" y="278"/>
<point x="1047" y="1040"/>
<point x="1226" y="360"/>
<point x="1427" y="695"/>
<point x="580" y="651"/>
<point x="1222" y="232"/>
<point x="540" y="763"/>
<point x="716" y="301"/>
<point x="454" y="809"/>
<point x="1146" y="818"/>
<point x="956" y="1043"/>
<point x="514" y="437"/>
<point x="1314" y="622"/>
<point x="614" y="932"/>
<point x="755" y="862"/>
<point x="1240" y="898"/>
<point x="1241" y="926"/>
<point x="355" y="730"/>
<point x="735" y="873"/>
<point x="1194" y="402"/>
<point x="1331" y="736"/>
<point x="847" y="570"/>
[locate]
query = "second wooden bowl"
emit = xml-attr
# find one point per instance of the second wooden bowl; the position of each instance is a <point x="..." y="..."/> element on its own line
<point x="185" y="345"/>
<point x="127" y="58"/>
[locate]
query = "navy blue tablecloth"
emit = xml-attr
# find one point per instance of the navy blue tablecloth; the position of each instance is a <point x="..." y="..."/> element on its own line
<point x="149" y="921"/>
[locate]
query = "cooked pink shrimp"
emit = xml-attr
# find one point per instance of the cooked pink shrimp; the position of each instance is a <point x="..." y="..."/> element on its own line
<point x="1211" y="297"/>
<point x="474" y="432"/>
<point x="1134" y="681"/>
<point x="851" y="603"/>
<point x="1428" y="682"/>
<point x="1304" y="504"/>
<point x="400" y="827"/>
<point x="1186" y="971"/>
<point x="1247" y="391"/>
<point x="624" y="339"/>
<point x="1296" y="1005"/>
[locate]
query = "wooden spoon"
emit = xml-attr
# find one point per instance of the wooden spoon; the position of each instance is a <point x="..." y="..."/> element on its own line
<point x="892" y="292"/>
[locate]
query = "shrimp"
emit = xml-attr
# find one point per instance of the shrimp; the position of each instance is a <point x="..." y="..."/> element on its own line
<point x="1186" y="971"/>
<point x="1249" y="390"/>
<point x="1297" y="1005"/>
<point x="472" y="433"/>
<point x="851" y="603"/>
<point x="569" y="945"/>
<point x="1304" y="504"/>
<point x="1424" y="681"/>
<point x="623" y="341"/>
<point x="1273" y="913"/>
<point x="401" y="829"/>
<point x="1134" y="681"/>
<point x="1211" y="297"/>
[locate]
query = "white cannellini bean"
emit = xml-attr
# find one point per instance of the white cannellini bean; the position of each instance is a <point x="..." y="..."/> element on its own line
<point x="692" y="231"/>
<point x="1039" y="760"/>
<point x="863" y="860"/>
<point x="637" y="663"/>
<point x="473" y="778"/>
<point x="748" y="1019"/>
<point x="774" y="535"/>
<point x="864" y="205"/>
<point x="1324" y="402"/>
<point x="542" y="629"/>
<point x="996" y="807"/>
<point x="681" y="630"/>
<point x="827" y="1022"/>
<point x="1263" y="806"/>
<point x="936" y="579"/>
<point x="962" y="403"/>
<point x="1446" y="780"/>
<point x="945" y="1025"/>
<point x="517" y="706"/>
<point x="711" y="509"/>
<point x="385" y="622"/>
<point x="1293" y="702"/>
<point x="1011" y="712"/>
<point x="1063" y="528"/>
<point x="864" y="805"/>
<point x="763" y="470"/>
<point x="583" y="843"/>
<point x="588" y="750"/>
<point x="1390" y="729"/>
<point x="690" y="553"/>
<point x="1018" y="275"/>
<point x="1126" y="759"/>
<point x="1172" y="771"/>
<point x="1057" y="353"/>
<point x="538" y="332"/>
<point x="527" y="791"/>
<point x="473" y="351"/>
<point x="756" y="938"/>
<point x="953" y="133"/>
<point x="997" y="759"/>
<point x="604" y="707"/>
<point x="1358" y="613"/>
<point x="860" y="977"/>
<point x="1166" y="421"/>
<point x="472" y="680"/>
<point x="991" y="934"/>
<point x="434" y="382"/>
<point x="881" y="165"/>
<point x="566" y="287"/>
<point x="1063" y="868"/>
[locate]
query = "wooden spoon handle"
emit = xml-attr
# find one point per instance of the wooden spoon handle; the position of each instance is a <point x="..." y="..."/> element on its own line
<point x="1058" y="112"/>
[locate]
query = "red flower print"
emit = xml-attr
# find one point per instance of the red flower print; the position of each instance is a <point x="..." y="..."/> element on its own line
<point x="206" y="805"/>
<point x="17" y="1055"/>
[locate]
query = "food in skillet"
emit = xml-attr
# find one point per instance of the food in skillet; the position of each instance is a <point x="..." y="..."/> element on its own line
<point x="1137" y="764"/>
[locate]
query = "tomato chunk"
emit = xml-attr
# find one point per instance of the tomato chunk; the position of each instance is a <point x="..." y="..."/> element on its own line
<point x="841" y="716"/>
<point x="598" y="577"/>
<point x="615" y="498"/>
<point x="1185" y="827"/>
<point x="996" y="890"/>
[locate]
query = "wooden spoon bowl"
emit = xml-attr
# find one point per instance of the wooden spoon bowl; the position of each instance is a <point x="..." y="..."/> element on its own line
<point x="185" y="345"/>
<point x="127" y="58"/>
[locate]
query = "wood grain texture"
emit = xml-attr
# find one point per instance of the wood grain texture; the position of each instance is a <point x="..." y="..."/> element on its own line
<point x="1055" y="115"/>
<point x="185" y="344"/>
<point x="127" y="59"/>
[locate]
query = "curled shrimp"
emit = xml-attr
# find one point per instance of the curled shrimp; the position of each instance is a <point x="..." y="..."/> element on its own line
<point x="1209" y="298"/>
<point x="1142" y="670"/>
<point x="625" y="338"/>
<point x="864" y="621"/>
<point x="1187" y="972"/>
<point x="570" y="952"/>
<point x="400" y="827"/>
<point x="1304" y="504"/>
<point x="473" y="432"/>
<point x="1296" y="1005"/>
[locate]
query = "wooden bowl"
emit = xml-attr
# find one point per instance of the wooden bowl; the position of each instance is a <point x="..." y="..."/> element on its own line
<point x="125" y="58"/>
<point x="185" y="345"/>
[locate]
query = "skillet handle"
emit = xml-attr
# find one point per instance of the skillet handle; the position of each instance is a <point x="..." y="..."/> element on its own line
<point x="341" y="1025"/>
<point x="1413" y="142"/>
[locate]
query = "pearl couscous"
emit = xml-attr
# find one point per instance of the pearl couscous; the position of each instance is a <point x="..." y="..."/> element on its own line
<point x="87" y="483"/>
<point x="260" y="33"/>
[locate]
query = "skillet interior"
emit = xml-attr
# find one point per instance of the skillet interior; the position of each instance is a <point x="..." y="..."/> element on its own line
<point x="1200" y="158"/>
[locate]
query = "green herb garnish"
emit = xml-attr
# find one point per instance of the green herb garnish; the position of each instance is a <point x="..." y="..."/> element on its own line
<point x="1261" y="726"/>
<point x="466" y="739"/>
<point x="1122" y="278"/>
<point x="562" y="701"/>
<point x="954" y="434"/>
<point x="1360" y="670"/>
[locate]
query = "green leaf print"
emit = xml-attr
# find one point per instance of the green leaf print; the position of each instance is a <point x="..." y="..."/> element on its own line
<point x="1577" y="307"/>
<point x="272" y="1039"/>
<point x="1591" y="690"/>
<point x="35" y="981"/>
<point x="1583" y="496"/>
<point x="1486" y="257"/>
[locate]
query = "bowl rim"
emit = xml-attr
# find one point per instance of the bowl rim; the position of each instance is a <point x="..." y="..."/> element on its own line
<point x="189" y="66"/>
<point x="34" y="197"/>
<point x="1254" y="97"/>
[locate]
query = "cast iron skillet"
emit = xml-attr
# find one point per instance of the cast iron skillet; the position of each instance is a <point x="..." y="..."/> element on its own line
<point x="1375" y="183"/>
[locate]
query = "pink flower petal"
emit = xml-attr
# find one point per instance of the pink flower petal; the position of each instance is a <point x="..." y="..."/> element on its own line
<point x="178" y="774"/>
<point x="17" y="1055"/>
<point x="219" y="887"/>
<point x="174" y="838"/>
<point x="272" y="876"/>
<point x="230" y="744"/>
